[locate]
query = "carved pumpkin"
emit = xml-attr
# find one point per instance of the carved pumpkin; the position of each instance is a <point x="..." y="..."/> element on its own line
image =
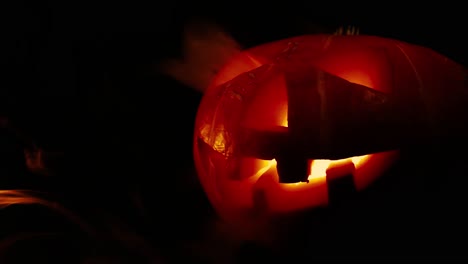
<point x="282" y="122"/>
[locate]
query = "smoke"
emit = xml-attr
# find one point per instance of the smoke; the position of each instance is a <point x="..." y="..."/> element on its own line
<point x="206" y="48"/>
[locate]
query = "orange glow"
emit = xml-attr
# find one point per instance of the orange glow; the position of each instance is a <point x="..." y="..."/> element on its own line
<point x="318" y="167"/>
<point x="366" y="67"/>
<point x="24" y="197"/>
<point x="242" y="62"/>
<point x="359" y="77"/>
<point x="281" y="197"/>
<point x="11" y="197"/>
<point x="256" y="175"/>
<point x="250" y="93"/>
<point x="271" y="108"/>
<point x="289" y="197"/>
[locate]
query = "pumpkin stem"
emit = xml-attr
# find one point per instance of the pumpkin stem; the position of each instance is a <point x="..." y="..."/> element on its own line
<point x="348" y="31"/>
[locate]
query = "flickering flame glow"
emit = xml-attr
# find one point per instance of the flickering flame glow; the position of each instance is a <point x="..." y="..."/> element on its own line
<point x="359" y="77"/>
<point x="318" y="168"/>
<point x="267" y="164"/>
<point x="11" y="197"/>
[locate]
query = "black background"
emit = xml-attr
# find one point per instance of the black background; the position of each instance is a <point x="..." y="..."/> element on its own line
<point x="80" y="78"/>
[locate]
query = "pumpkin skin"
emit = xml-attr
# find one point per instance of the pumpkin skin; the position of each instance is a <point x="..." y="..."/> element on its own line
<point x="329" y="106"/>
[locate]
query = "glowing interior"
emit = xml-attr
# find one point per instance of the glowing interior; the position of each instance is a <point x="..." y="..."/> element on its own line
<point x="256" y="174"/>
<point x="318" y="168"/>
<point x="243" y="62"/>
<point x="277" y="112"/>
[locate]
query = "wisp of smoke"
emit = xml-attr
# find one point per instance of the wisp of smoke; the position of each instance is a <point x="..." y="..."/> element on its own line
<point x="206" y="48"/>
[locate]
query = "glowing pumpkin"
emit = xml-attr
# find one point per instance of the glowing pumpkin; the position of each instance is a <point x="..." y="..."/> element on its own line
<point x="282" y="121"/>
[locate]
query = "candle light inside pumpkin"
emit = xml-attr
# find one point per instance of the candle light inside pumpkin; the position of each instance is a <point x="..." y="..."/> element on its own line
<point x="261" y="176"/>
<point x="250" y="93"/>
<point x="309" y="108"/>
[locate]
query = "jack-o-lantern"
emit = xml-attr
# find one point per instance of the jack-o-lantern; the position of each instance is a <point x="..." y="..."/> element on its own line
<point x="283" y="121"/>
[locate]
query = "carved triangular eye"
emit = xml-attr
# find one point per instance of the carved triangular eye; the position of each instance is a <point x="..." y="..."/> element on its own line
<point x="369" y="66"/>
